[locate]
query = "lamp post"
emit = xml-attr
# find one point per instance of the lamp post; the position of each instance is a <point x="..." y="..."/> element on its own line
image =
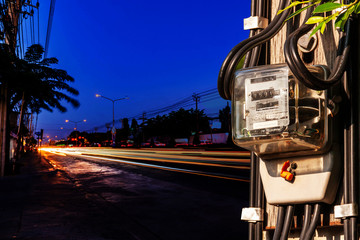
<point x="75" y="128"/>
<point x="113" y="130"/>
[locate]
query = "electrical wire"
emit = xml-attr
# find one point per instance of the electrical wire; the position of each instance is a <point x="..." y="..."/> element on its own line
<point x="259" y="201"/>
<point x="49" y="26"/>
<point x="279" y="223"/>
<point x="299" y="69"/>
<point x="33" y="21"/>
<point x="38" y="19"/>
<point x="252" y="192"/>
<point x="19" y="42"/>
<point x="287" y="222"/>
<point x="351" y="142"/>
<point x="307" y="218"/>
<point x="354" y="142"/>
<point x="31" y="29"/>
<point x="314" y="221"/>
<point x="206" y="96"/>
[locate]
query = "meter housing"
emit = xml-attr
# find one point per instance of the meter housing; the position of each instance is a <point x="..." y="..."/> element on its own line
<point x="275" y="115"/>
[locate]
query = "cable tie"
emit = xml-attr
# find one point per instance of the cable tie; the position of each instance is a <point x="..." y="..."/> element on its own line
<point x="346" y="210"/>
<point x="252" y="214"/>
<point x="255" y="22"/>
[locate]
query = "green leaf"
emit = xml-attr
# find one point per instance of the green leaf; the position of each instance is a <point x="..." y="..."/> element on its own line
<point x="315" y="19"/>
<point x="327" y="7"/>
<point x="317" y="28"/>
<point x="339" y="20"/>
<point x="351" y="10"/>
<point x="323" y="26"/>
<point x="345" y="17"/>
<point x="357" y="8"/>
<point x="293" y="4"/>
<point x="299" y="11"/>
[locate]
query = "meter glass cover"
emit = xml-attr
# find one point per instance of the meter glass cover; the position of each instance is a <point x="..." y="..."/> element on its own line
<point x="272" y="112"/>
<point x="266" y="103"/>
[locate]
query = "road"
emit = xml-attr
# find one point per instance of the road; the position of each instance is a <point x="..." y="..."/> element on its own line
<point x="175" y="194"/>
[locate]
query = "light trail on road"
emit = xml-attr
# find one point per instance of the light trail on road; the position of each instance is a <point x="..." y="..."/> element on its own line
<point x="157" y="159"/>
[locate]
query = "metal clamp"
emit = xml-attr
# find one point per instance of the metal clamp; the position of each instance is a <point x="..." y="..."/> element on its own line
<point x="252" y="214"/>
<point x="346" y="210"/>
<point x="255" y="22"/>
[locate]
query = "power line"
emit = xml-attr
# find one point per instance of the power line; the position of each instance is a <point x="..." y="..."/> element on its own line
<point x="49" y="26"/>
<point x="206" y="96"/>
<point x="38" y="21"/>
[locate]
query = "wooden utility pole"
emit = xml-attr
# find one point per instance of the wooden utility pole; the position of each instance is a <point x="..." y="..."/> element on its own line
<point x="196" y="98"/>
<point x="324" y="53"/>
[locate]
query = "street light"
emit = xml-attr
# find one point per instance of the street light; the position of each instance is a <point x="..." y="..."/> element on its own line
<point x="113" y="131"/>
<point x="113" y="102"/>
<point x="76" y="122"/>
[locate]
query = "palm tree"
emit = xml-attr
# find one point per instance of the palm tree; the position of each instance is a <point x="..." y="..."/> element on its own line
<point x="38" y="86"/>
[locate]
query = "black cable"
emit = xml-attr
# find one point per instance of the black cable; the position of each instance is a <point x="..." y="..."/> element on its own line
<point x="293" y="23"/>
<point x="259" y="199"/>
<point x="253" y="11"/>
<point x="252" y="192"/>
<point x="48" y="31"/>
<point x="38" y="17"/>
<point x="255" y="53"/>
<point x="287" y="222"/>
<point x="299" y="69"/>
<point x="253" y="56"/>
<point x="351" y="79"/>
<point x="279" y="223"/>
<point x="249" y="54"/>
<point x="256" y="188"/>
<point x="33" y="26"/>
<point x="306" y="223"/>
<point x="26" y="34"/>
<point x="346" y="183"/>
<point x="19" y="39"/>
<point x="22" y="38"/>
<point x="228" y="67"/>
<point x="314" y="221"/>
<point x="31" y="29"/>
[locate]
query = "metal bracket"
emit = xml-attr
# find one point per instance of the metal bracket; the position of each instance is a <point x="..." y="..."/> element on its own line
<point x="346" y="210"/>
<point x="252" y="214"/>
<point x="255" y="22"/>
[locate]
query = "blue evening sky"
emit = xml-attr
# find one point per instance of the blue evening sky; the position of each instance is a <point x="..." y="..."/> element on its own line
<point x="154" y="52"/>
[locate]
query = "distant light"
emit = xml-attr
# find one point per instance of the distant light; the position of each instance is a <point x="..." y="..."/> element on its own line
<point x="61" y="128"/>
<point x="84" y="120"/>
<point x="66" y="120"/>
<point x="98" y="95"/>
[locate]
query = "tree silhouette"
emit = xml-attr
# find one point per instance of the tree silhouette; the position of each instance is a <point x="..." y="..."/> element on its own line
<point x="177" y="124"/>
<point x="225" y="118"/>
<point x="39" y="86"/>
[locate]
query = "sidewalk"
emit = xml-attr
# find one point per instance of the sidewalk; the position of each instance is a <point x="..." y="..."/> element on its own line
<point x="42" y="203"/>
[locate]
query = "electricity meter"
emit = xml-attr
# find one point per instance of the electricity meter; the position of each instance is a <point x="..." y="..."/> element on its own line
<point x="272" y="113"/>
